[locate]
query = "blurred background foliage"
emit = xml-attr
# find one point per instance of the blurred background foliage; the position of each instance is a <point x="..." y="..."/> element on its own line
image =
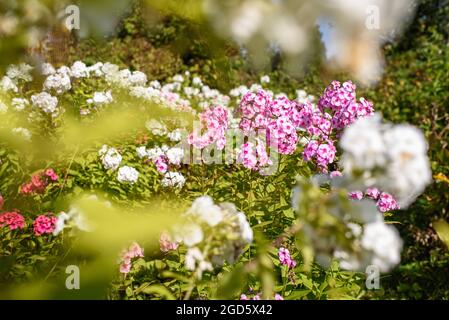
<point x="163" y="40"/>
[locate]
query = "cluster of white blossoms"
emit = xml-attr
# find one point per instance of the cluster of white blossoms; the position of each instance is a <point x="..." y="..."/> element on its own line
<point x="376" y="155"/>
<point x="46" y="102"/>
<point x="72" y="219"/>
<point x="212" y="234"/>
<point x="22" y="132"/>
<point x="357" y="237"/>
<point x="165" y="158"/>
<point x="173" y="180"/>
<point x="127" y="174"/>
<point x="160" y="129"/>
<point x="123" y="78"/>
<point x="174" y="155"/>
<point x="59" y="82"/>
<point x="390" y="157"/>
<point x="15" y="75"/>
<point x="20" y="103"/>
<point x="156" y="127"/>
<point x="175" y="135"/>
<point x="75" y="218"/>
<point x="101" y="98"/>
<point x="110" y="157"/>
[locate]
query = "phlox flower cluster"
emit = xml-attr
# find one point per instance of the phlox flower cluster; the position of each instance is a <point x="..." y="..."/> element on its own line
<point x="215" y="121"/>
<point x="347" y="236"/>
<point x="46" y="102"/>
<point x="44" y="223"/>
<point x="165" y="159"/>
<point x="212" y="234"/>
<point x="337" y="108"/>
<point x="173" y="180"/>
<point x="73" y="218"/>
<point x="278" y="117"/>
<point x="101" y="98"/>
<point x="16" y="74"/>
<point x="110" y="157"/>
<point x="390" y="157"/>
<point x="20" y="103"/>
<point x="127" y="174"/>
<point x="126" y="257"/>
<point x="282" y="122"/>
<point x="59" y="82"/>
<point x="22" y="132"/>
<point x="162" y="157"/>
<point x="254" y="156"/>
<point x="111" y="160"/>
<point x="13" y="220"/>
<point x="385" y="202"/>
<point x="166" y="243"/>
<point x="285" y="258"/>
<point x="39" y="182"/>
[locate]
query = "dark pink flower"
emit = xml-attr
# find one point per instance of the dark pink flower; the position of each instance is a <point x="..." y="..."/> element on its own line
<point x="44" y="223"/>
<point x="13" y="220"/>
<point x="51" y="174"/>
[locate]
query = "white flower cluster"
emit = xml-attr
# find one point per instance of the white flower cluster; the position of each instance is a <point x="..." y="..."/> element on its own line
<point x="390" y="157"/>
<point x="123" y="78"/>
<point x="101" y="98"/>
<point x="161" y="157"/>
<point x="213" y="234"/>
<point x="21" y="72"/>
<point x="368" y="240"/>
<point x="175" y="135"/>
<point x="173" y="180"/>
<point x="127" y="174"/>
<point x="60" y="82"/>
<point x="160" y="129"/>
<point x="14" y="75"/>
<point x="73" y="218"/>
<point x="303" y="97"/>
<point x="379" y="244"/>
<point x="22" y="132"/>
<point x="155" y="127"/>
<point x="6" y="84"/>
<point x="20" y="103"/>
<point x="46" y="102"/>
<point x="174" y="155"/>
<point x="110" y="157"/>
